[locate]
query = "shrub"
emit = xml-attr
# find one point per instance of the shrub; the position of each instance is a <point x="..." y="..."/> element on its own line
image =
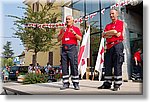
<point x="58" y="76"/>
<point x="32" y="78"/>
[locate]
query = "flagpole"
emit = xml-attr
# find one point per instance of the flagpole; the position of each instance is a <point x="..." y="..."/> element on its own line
<point x="100" y="17"/>
<point x="84" y="15"/>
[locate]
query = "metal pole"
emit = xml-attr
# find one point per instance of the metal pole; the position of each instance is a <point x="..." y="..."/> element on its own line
<point x="84" y="15"/>
<point x="100" y="18"/>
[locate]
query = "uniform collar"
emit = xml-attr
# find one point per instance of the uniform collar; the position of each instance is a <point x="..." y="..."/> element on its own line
<point x="115" y="21"/>
<point x="70" y="26"/>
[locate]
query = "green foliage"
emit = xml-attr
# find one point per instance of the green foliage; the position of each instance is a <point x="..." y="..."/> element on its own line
<point x="58" y="76"/>
<point x="10" y="62"/>
<point x="37" y="39"/>
<point x="32" y="78"/>
<point x="6" y="62"/>
<point x="7" y="53"/>
<point x="22" y="73"/>
<point x="7" y="59"/>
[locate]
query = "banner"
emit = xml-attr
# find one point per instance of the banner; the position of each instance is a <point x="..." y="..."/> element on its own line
<point x="61" y="24"/>
<point x="84" y="52"/>
<point x="100" y="59"/>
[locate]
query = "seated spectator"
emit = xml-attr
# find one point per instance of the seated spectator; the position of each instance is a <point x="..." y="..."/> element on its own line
<point x="30" y="68"/>
<point x="47" y="67"/>
<point x="5" y="73"/>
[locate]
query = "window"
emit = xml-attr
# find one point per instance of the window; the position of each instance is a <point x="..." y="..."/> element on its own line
<point x="79" y="6"/>
<point x="35" y="7"/>
<point x="92" y="6"/>
<point x="50" y="58"/>
<point x="33" y="59"/>
<point x="95" y="23"/>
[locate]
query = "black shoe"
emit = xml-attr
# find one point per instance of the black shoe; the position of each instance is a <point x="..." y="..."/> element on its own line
<point x="104" y="87"/>
<point x="65" y="86"/>
<point x="76" y="86"/>
<point x="116" y="88"/>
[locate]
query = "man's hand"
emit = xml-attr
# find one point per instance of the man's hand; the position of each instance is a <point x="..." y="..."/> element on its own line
<point x="104" y="35"/>
<point x="136" y="63"/>
<point x="71" y="30"/>
<point x="110" y="33"/>
<point x="118" y="34"/>
<point x="63" y="30"/>
<point x="75" y="34"/>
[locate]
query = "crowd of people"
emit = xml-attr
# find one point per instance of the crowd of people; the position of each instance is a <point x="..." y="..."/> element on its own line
<point x="35" y="69"/>
<point x="47" y="69"/>
<point x="40" y="69"/>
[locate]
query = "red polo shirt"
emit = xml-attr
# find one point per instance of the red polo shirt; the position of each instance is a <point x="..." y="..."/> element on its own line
<point x="118" y="26"/>
<point x="69" y="37"/>
<point x="137" y="55"/>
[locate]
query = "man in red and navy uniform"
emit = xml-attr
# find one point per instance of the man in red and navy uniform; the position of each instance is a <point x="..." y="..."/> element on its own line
<point x="69" y="54"/>
<point x="137" y="69"/>
<point x="114" y="57"/>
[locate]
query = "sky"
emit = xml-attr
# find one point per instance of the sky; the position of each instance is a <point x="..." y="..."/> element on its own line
<point x="10" y="7"/>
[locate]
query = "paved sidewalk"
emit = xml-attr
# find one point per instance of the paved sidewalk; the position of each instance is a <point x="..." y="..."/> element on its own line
<point x="87" y="87"/>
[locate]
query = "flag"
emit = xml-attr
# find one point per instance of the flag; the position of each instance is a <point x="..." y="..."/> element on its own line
<point x="100" y="59"/>
<point x="84" y="52"/>
<point x="102" y="11"/>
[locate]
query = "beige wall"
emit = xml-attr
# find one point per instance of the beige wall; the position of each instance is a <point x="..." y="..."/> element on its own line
<point x="56" y="55"/>
<point x="42" y="57"/>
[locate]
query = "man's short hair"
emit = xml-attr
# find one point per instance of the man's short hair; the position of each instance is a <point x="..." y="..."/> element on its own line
<point x="70" y="16"/>
<point x="114" y="8"/>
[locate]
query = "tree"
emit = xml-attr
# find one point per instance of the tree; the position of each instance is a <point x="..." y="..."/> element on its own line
<point x="37" y="39"/>
<point x="6" y="62"/>
<point x="8" y="53"/>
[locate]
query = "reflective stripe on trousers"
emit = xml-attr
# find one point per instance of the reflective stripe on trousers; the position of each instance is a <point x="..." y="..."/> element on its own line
<point x="75" y="79"/>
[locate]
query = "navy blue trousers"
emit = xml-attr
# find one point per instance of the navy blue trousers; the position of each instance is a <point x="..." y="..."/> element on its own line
<point x="69" y="56"/>
<point x="114" y="59"/>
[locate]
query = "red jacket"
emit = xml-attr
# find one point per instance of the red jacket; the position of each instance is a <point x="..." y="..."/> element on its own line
<point x="69" y="37"/>
<point x="118" y="26"/>
<point x="138" y="56"/>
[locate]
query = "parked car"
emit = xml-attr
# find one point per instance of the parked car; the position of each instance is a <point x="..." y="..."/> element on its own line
<point x="17" y="70"/>
<point x="21" y="78"/>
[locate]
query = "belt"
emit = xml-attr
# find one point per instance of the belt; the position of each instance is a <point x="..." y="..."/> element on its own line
<point x="67" y="46"/>
<point x="114" y="42"/>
